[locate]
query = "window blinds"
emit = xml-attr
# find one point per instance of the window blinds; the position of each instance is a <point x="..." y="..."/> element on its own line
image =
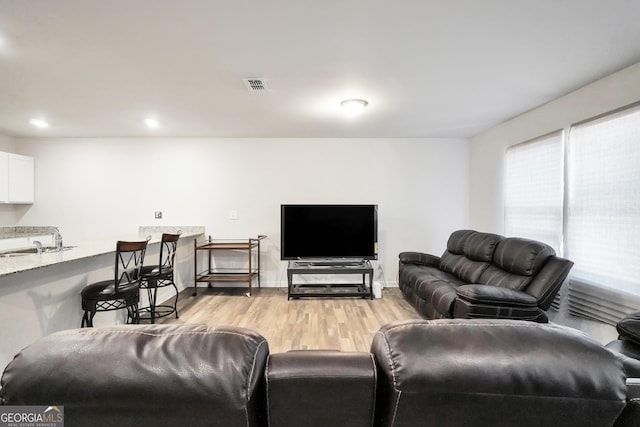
<point x="603" y="228"/>
<point x="534" y="190"/>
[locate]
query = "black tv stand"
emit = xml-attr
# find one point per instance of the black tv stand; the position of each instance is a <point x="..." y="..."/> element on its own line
<point x="342" y="267"/>
<point x="339" y="262"/>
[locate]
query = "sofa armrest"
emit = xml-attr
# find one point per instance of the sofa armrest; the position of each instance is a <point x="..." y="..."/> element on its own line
<point x="546" y="284"/>
<point x="494" y="295"/>
<point x="629" y="327"/>
<point x="628" y="354"/>
<point x="419" y="258"/>
<point x="487" y="301"/>
<point x="324" y="387"/>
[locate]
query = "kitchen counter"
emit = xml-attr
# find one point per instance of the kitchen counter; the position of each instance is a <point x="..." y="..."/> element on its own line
<point x="40" y="294"/>
<point x="81" y="250"/>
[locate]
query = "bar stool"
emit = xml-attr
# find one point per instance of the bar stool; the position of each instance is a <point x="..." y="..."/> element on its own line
<point x="159" y="276"/>
<point x="121" y="292"/>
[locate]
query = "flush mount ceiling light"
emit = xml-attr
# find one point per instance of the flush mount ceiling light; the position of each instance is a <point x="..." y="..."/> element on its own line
<point x="39" y="123"/>
<point x="354" y="106"/>
<point x="151" y="123"/>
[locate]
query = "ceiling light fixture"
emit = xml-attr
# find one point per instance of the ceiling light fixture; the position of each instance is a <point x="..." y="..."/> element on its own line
<point x="354" y="106"/>
<point x="151" y="123"/>
<point x="39" y="123"/>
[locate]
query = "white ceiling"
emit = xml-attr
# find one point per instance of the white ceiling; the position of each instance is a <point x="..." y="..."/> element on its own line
<point x="429" y="68"/>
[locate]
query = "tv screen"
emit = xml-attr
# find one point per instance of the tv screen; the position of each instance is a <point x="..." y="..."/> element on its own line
<point x="329" y="231"/>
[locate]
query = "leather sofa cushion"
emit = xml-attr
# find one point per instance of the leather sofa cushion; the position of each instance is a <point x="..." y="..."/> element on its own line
<point x="481" y="246"/>
<point x="474" y="245"/>
<point x="629" y="327"/>
<point x="433" y="285"/>
<point x="489" y="372"/>
<point x="457" y="241"/>
<point x="495" y="276"/>
<point x="521" y="256"/>
<point x="468" y="254"/>
<point x="462" y="267"/>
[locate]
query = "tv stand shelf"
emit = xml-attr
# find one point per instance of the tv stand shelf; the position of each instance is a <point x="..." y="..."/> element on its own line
<point x="301" y="290"/>
<point x="220" y="274"/>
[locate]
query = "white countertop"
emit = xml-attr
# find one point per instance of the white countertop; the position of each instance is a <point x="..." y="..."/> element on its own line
<point x="79" y="250"/>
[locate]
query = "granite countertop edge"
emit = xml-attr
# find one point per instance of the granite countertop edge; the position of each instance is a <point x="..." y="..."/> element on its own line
<point x="81" y="250"/>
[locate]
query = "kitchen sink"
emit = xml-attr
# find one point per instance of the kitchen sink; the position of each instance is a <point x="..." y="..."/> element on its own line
<point x="29" y="251"/>
<point x="11" y="255"/>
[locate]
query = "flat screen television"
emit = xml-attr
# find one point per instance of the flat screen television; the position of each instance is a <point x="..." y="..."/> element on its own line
<point x="328" y="231"/>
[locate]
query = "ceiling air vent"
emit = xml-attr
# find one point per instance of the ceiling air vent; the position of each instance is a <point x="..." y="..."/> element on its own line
<point x="256" y="85"/>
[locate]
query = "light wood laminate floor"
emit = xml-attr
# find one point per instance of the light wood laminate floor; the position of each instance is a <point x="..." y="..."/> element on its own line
<point x="346" y="324"/>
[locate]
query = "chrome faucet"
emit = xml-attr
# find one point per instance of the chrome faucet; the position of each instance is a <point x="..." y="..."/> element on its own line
<point x="58" y="239"/>
<point x="38" y="246"/>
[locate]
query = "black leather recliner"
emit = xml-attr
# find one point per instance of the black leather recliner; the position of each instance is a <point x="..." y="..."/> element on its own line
<point x="627" y="346"/>
<point x="458" y="372"/>
<point x="144" y="375"/>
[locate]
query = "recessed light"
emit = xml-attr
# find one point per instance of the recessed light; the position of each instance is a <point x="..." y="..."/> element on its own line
<point x="354" y="106"/>
<point x="151" y="123"/>
<point x="39" y="123"/>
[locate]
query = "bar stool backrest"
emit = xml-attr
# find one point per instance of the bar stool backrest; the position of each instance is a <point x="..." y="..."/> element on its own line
<point x="129" y="259"/>
<point x="168" y="250"/>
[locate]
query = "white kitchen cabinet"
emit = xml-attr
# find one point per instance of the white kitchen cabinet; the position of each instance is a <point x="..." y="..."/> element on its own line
<point x="16" y="178"/>
<point x="4" y="177"/>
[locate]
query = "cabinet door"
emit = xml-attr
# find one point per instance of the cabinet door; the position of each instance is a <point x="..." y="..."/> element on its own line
<point x="21" y="179"/>
<point x="4" y="177"/>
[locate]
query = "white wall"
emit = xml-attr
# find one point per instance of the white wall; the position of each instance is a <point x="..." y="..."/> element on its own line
<point x="94" y="187"/>
<point x="487" y="155"/>
<point x="7" y="144"/>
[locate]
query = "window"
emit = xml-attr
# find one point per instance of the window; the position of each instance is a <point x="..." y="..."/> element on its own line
<point x="600" y="230"/>
<point x="534" y="189"/>
<point x="603" y="221"/>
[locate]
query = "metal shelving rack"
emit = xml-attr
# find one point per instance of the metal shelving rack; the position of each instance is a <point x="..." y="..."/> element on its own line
<point x="220" y="274"/>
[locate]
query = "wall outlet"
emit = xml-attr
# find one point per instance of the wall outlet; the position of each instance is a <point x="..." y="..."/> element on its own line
<point x="233" y="214"/>
<point x="158" y="214"/>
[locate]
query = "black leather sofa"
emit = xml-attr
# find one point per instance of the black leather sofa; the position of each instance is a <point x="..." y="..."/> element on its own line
<point x="628" y="343"/>
<point x="449" y="372"/>
<point x="483" y="275"/>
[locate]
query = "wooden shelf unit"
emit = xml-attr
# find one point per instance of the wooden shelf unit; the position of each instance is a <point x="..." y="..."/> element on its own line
<point x="221" y="274"/>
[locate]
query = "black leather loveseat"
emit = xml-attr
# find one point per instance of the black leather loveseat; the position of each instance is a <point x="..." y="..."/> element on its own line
<point x="483" y="275"/>
<point x="448" y="372"/>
